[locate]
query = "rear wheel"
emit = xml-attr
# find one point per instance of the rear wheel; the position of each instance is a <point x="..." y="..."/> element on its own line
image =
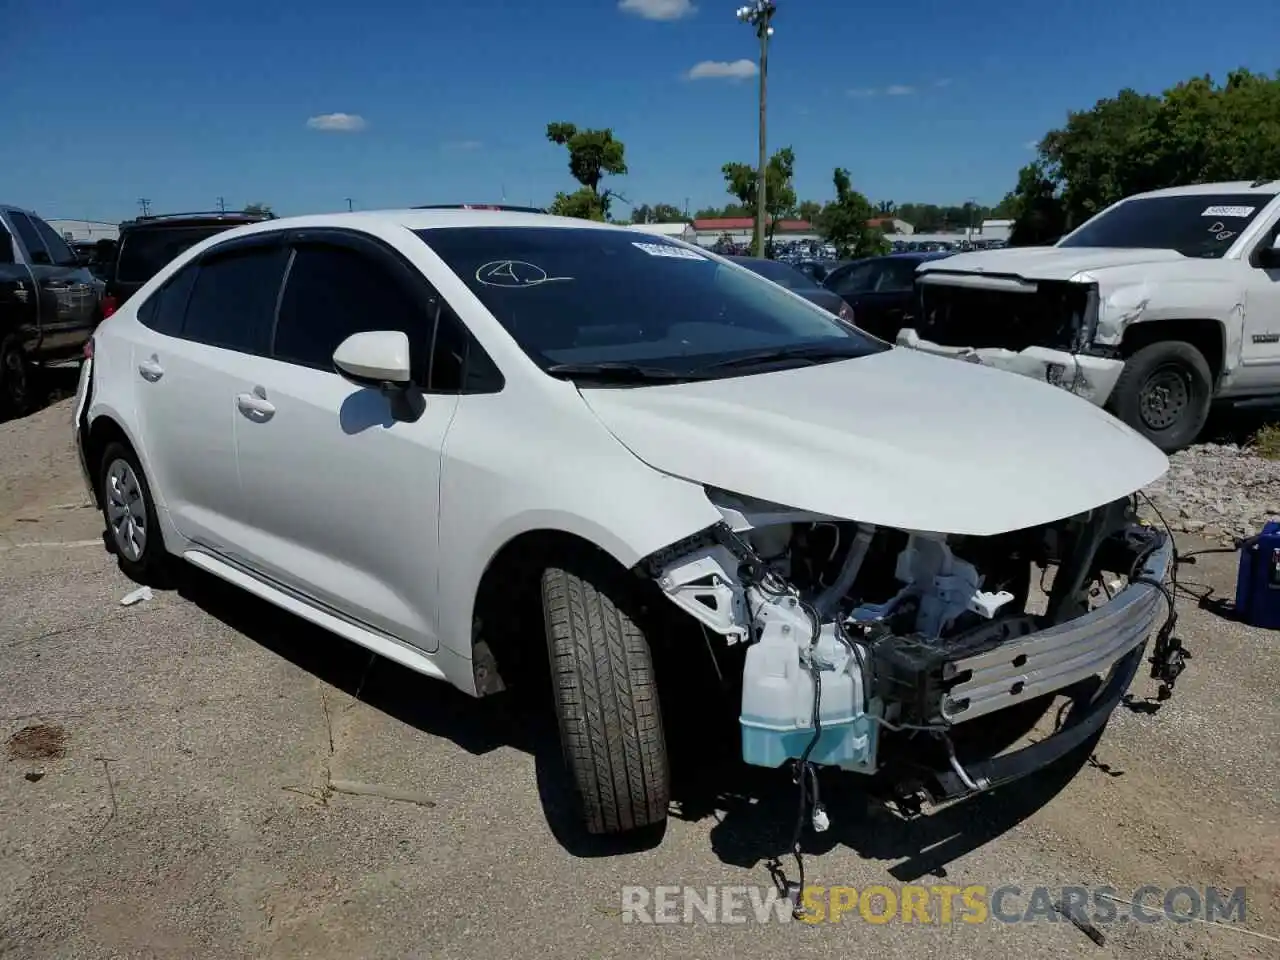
<point x="133" y="532"/>
<point x="606" y="700"/>
<point x="1164" y="392"/>
<point x="15" y="377"/>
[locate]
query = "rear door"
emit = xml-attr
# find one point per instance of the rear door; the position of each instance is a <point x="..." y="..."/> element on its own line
<point x="68" y="293"/>
<point x="201" y="329"/>
<point x="18" y="302"/>
<point x="341" y="497"/>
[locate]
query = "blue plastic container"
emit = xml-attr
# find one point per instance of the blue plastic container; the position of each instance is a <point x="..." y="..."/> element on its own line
<point x="1258" y="581"/>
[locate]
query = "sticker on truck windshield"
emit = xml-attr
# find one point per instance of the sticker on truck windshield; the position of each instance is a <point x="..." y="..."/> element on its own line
<point x="668" y="250"/>
<point x="1228" y="211"/>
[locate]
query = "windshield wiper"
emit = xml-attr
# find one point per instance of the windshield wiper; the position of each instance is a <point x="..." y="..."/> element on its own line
<point x="618" y="371"/>
<point x="811" y="354"/>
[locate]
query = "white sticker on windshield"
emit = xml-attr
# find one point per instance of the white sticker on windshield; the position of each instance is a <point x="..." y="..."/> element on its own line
<point x="668" y="250"/>
<point x="1228" y="211"/>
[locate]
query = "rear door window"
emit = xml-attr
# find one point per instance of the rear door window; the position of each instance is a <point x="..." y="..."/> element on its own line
<point x="232" y="304"/>
<point x="144" y="252"/>
<point x="164" y="310"/>
<point x="60" y="251"/>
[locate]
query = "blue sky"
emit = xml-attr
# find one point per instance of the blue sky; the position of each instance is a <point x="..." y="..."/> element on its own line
<point x="931" y="101"/>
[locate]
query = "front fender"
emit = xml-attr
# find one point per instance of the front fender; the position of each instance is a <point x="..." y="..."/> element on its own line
<point x="1126" y="307"/>
<point x="554" y="469"/>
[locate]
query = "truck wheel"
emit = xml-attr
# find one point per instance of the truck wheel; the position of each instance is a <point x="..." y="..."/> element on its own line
<point x="1164" y="393"/>
<point x="606" y="701"/>
<point x="15" y="380"/>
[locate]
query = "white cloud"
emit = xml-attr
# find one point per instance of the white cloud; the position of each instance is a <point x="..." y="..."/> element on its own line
<point x="896" y="90"/>
<point x="462" y="145"/>
<point x="722" y="70"/>
<point x="1032" y="145"/>
<point x="864" y="92"/>
<point x="337" y="122"/>
<point x="944" y="82"/>
<point x="899" y="90"/>
<point x="658" y="9"/>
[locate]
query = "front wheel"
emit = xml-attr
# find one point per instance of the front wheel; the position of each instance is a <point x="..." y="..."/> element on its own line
<point x="1164" y="392"/>
<point x="15" y="379"/>
<point x="606" y="700"/>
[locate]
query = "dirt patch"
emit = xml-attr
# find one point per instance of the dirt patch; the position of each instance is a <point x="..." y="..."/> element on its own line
<point x="41" y="741"/>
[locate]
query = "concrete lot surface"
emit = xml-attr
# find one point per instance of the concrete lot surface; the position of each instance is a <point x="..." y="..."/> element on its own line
<point x="204" y="781"/>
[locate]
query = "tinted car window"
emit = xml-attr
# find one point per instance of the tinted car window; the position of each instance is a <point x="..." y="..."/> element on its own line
<point x="859" y="278"/>
<point x="1196" y="225"/>
<point x="163" y="311"/>
<point x="781" y="273"/>
<point x="30" y="237"/>
<point x="593" y="295"/>
<point x="897" y="276"/>
<point x="6" y="246"/>
<point x="233" y="301"/>
<point x="333" y="292"/>
<point x="60" y="251"/>
<point x="144" y="252"/>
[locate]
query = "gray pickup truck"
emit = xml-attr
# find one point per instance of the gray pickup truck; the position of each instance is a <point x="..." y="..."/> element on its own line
<point x="49" y="304"/>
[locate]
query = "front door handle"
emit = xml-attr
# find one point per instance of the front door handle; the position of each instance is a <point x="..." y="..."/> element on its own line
<point x="256" y="407"/>
<point x="151" y="370"/>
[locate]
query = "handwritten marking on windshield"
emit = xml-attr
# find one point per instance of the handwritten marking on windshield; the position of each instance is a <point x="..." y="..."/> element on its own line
<point x="1220" y="231"/>
<point x="513" y="273"/>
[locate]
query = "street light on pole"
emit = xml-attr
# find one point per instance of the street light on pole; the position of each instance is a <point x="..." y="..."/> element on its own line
<point x="759" y="13"/>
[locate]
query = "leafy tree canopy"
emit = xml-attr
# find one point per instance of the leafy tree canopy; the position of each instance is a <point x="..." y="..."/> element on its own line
<point x="844" y="222"/>
<point x="742" y="181"/>
<point x="593" y="154"/>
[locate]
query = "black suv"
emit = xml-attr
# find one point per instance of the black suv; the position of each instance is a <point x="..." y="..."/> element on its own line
<point x="148" y="243"/>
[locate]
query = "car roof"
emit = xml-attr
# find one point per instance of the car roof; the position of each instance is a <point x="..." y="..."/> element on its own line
<point x="1263" y="188"/>
<point x="413" y="219"/>
<point x="159" y="221"/>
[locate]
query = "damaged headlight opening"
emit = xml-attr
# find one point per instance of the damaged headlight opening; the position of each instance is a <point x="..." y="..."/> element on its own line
<point x="867" y="648"/>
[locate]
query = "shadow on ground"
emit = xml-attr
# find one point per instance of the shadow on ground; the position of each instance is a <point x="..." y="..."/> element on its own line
<point x="48" y="385"/>
<point x="754" y="809"/>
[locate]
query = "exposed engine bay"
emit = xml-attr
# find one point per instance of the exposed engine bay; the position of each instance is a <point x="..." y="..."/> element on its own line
<point x="851" y="630"/>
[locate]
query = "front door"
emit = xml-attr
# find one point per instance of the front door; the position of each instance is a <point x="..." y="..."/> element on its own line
<point x="68" y="293"/>
<point x="341" y="497"/>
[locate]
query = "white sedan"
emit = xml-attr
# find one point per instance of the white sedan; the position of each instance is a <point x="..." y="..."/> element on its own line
<point x="481" y="442"/>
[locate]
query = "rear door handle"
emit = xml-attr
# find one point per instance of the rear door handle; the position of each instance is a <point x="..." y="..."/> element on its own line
<point x="151" y="370"/>
<point x="257" y="408"/>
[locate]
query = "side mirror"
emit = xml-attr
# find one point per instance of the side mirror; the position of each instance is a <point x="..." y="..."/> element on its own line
<point x="376" y="358"/>
<point x="1269" y="257"/>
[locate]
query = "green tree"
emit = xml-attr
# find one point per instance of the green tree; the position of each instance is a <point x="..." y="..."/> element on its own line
<point x="593" y="154"/>
<point x="1039" y="217"/>
<point x="780" y="193"/>
<point x="257" y="208"/>
<point x="657" y="213"/>
<point x="1196" y="132"/>
<point x="728" y="211"/>
<point x="844" y="221"/>
<point x="808" y="210"/>
<point x="584" y="203"/>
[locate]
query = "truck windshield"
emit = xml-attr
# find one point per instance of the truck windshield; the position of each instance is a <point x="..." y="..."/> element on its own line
<point x="576" y="296"/>
<point x="1203" y="225"/>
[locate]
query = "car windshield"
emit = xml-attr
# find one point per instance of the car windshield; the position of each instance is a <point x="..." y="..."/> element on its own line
<point x="780" y="273"/>
<point x="580" y="296"/>
<point x="145" y="251"/>
<point x="1195" y="225"/>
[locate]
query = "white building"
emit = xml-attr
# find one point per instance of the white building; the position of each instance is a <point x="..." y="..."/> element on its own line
<point x="681" y="231"/>
<point x="86" y="229"/>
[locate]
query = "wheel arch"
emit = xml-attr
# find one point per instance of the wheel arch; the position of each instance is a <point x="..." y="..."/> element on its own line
<point x="1207" y="335"/>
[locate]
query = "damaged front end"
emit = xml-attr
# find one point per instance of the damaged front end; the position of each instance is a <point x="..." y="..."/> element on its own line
<point x="1042" y="329"/>
<point x="852" y="631"/>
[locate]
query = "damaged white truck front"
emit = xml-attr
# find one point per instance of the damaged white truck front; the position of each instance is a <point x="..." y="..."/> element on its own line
<point x="1155" y="308"/>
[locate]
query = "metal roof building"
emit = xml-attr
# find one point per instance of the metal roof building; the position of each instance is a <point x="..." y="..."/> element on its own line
<point x="682" y="231"/>
<point x="86" y="229"/>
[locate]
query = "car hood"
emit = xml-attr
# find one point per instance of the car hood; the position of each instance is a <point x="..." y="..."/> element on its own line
<point x="898" y="438"/>
<point x="1045" y="263"/>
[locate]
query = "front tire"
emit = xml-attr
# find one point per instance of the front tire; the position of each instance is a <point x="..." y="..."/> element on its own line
<point x="607" y="701"/>
<point x="128" y="509"/>
<point x="15" y="377"/>
<point x="1164" y="392"/>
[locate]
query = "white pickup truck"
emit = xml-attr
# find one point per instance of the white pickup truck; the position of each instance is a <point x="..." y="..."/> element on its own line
<point x="1154" y="308"/>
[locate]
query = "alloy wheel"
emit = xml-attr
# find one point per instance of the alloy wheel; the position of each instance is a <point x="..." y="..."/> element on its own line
<point x="126" y="510"/>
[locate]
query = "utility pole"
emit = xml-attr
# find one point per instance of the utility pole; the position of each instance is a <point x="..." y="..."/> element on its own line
<point x="145" y="205"/>
<point x="759" y="14"/>
<point x="222" y="205"/>
<point x="350" y="205"/>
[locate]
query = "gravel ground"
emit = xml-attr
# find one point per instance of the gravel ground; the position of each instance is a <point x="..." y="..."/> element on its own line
<point x="1218" y="491"/>
<point x="192" y="788"/>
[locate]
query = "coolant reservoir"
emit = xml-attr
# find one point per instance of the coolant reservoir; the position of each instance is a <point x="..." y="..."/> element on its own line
<point x="777" y="704"/>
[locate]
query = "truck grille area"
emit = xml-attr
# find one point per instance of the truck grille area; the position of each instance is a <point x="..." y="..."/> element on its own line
<point x="1055" y="315"/>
